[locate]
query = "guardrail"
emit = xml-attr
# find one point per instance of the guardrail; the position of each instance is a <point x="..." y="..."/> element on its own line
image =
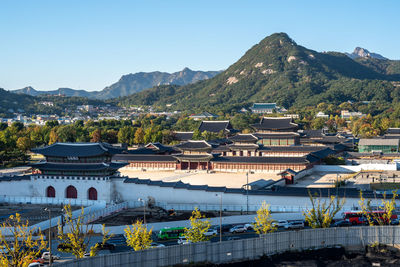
<point x="49" y="201"/>
<point x="105" y="212"/>
<point x="246" y="249"/>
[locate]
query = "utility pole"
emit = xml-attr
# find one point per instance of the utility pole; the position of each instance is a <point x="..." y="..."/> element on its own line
<point x="51" y="256"/>
<point x="144" y="209"/>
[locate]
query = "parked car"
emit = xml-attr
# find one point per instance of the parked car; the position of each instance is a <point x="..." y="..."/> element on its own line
<point x="342" y="223"/>
<point x="46" y="256"/>
<point x="237" y="229"/>
<point x="280" y="223"/>
<point x="106" y="246"/>
<point x="211" y="232"/>
<point x="249" y="227"/>
<point x="225" y="227"/>
<point x="39" y="260"/>
<point x="395" y="222"/>
<point x="182" y="240"/>
<point x="35" y="264"/>
<point x="294" y="225"/>
<point x="156" y="245"/>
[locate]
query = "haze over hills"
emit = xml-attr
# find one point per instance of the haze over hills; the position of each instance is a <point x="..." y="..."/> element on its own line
<point x="279" y="70"/>
<point x="129" y="84"/>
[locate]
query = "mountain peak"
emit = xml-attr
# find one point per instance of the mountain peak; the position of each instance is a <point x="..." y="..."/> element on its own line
<point x="360" y="52"/>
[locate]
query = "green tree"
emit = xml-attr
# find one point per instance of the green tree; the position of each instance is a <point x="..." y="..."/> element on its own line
<point x="263" y="221"/>
<point x="24" y="144"/>
<point x="198" y="227"/>
<point x="138" y="237"/>
<point x="322" y="212"/>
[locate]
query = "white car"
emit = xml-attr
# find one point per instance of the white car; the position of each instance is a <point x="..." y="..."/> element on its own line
<point x="249" y="227"/>
<point x="46" y="256"/>
<point x="211" y="232"/>
<point x="237" y="229"/>
<point x="156" y="245"/>
<point x="294" y="225"/>
<point x="182" y="240"/>
<point x="280" y="223"/>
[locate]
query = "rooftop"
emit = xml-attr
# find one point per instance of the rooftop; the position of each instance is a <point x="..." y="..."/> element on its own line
<point x="215" y="126"/>
<point x="275" y="123"/>
<point x="77" y="150"/>
<point x="379" y="142"/>
<point x="196" y="145"/>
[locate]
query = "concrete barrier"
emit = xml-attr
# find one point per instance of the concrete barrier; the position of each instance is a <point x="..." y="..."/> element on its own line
<point x="246" y="249"/>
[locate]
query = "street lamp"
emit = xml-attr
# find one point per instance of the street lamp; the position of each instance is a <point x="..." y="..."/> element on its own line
<point x="220" y="216"/>
<point x="247" y="191"/>
<point x="144" y="209"/>
<point x="51" y="256"/>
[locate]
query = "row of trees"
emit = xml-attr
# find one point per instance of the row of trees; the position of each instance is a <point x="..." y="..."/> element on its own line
<point x="20" y="244"/>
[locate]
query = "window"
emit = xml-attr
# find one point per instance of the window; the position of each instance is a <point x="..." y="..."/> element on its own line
<point x="92" y="193"/>
<point x="71" y="192"/>
<point x="50" y="192"/>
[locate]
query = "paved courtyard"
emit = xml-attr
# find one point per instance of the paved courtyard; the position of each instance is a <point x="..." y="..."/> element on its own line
<point x="230" y="180"/>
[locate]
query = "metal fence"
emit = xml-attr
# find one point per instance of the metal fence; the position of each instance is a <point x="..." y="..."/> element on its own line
<point x="49" y="201"/>
<point x="246" y="249"/>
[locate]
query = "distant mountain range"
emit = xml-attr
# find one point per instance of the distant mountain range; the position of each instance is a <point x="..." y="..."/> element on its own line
<point x="129" y="84"/>
<point x="279" y="70"/>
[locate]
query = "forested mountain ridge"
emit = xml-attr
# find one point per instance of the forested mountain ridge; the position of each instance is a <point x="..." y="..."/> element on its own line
<point x="129" y="84"/>
<point x="278" y="70"/>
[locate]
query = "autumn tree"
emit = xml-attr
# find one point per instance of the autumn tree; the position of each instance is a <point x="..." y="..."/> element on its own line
<point x="19" y="243"/>
<point x="198" y="227"/>
<point x="139" y="136"/>
<point x="385" y="209"/>
<point x="24" y="144"/>
<point x="264" y="222"/>
<point x="75" y="235"/>
<point x="96" y="136"/>
<point x="53" y="137"/>
<point x="138" y="237"/>
<point x="322" y="211"/>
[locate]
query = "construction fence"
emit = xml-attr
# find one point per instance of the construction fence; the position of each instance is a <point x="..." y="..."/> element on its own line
<point x="246" y="249"/>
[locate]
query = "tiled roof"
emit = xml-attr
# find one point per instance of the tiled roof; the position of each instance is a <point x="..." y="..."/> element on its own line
<point x="215" y="126"/>
<point x="195" y="145"/>
<point x="14" y="178"/>
<point x="77" y="167"/>
<point x="379" y="142"/>
<point x="275" y="123"/>
<point x="263" y="106"/>
<point x="393" y="131"/>
<point x="243" y="138"/>
<point x="77" y="149"/>
<point x="183" y="136"/>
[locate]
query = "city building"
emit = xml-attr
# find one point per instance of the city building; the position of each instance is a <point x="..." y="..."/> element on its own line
<point x="263" y="108"/>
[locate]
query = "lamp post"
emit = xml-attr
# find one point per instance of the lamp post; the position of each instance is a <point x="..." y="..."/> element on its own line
<point x="220" y="216"/>
<point x="247" y="191"/>
<point x="144" y="209"/>
<point x="50" y="256"/>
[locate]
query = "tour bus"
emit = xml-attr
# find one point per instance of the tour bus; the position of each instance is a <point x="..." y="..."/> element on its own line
<point x="357" y="217"/>
<point x="171" y="233"/>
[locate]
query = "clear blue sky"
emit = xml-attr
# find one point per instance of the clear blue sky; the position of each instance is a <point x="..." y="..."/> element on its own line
<point x="89" y="44"/>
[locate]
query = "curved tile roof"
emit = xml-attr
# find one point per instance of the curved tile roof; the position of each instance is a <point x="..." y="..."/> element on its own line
<point x="77" y="150"/>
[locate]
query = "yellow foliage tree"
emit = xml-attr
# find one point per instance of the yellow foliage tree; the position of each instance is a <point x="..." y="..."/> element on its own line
<point x="19" y="243"/>
<point x="323" y="211"/>
<point x="199" y="226"/>
<point x="385" y="210"/>
<point x="77" y="237"/>
<point x="264" y="222"/>
<point x="138" y="237"/>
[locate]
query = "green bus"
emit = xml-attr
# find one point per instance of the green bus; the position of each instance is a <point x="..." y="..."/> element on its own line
<point x="171" y="233"/>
